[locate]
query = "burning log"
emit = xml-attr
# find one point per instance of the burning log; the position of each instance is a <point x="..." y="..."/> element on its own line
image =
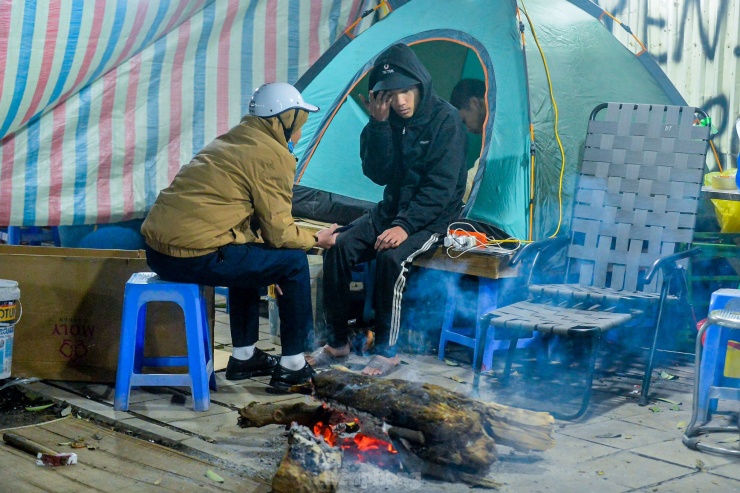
<point x="456" y="430"/>
<point x="310" y="466"/>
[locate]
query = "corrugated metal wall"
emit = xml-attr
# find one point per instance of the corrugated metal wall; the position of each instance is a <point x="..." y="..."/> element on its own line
<point x="697" y="44"/>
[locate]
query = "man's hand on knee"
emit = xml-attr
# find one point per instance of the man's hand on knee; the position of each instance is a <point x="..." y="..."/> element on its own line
<point x="391" y="238"/>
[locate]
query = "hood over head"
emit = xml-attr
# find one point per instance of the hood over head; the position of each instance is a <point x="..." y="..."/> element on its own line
<point x="293" y="119"/>
<point x="277" y="125"/>
<point x="398" y="64"/>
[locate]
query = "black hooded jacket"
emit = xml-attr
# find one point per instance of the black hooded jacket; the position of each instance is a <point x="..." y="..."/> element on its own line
<point x="419" y="160"/>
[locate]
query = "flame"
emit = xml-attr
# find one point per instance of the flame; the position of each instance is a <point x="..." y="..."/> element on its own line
<point x="361" y="442"/>
<point x="325" y="431"/>
<point x="365" y="443"/>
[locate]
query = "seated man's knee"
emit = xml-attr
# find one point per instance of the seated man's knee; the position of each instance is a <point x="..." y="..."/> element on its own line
<point x="391" y="255"/>
<point x="297" y="257"/>
<point x="296" y="261"/>
<point x="342" y="242"/>
<point x="341" y="248"/>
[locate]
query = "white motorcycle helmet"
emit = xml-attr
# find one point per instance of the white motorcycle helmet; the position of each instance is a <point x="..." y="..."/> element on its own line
<point x="275" y="98"/>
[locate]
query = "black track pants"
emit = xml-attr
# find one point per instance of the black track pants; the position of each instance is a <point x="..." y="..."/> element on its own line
<point x="357" y="245"/>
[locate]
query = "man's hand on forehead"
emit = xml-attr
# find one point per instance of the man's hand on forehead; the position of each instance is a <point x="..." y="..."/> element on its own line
<point x="380" y="105"/>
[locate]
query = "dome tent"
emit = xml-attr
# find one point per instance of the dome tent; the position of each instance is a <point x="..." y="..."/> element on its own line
<point x="480" y="39"/>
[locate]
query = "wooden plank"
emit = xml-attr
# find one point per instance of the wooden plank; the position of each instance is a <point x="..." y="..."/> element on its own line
<point x="130" y="458"/>
<point x="311" y="226"/>
<point x="474" y="264"/>
<point x="118" y="464"/>
<point x="20" y="474"/>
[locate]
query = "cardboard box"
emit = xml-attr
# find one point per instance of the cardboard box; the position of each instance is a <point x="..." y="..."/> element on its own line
<point x="72" y="303"/>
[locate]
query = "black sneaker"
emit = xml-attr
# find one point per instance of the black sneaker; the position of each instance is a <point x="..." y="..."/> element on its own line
<point x="259" y="364"/>
<point x="283" y="379"/>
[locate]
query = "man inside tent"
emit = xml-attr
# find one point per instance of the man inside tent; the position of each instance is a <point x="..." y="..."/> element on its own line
<point x="469" y="97"/>
<point x="226" y="221"/>
<point x="414" y="145"/>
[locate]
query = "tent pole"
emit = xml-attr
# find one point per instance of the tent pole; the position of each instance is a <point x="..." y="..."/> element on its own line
<point x="530" y="234"/>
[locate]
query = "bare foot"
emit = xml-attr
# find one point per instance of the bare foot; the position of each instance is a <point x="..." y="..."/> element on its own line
<point x="380" y="365"/>
<point x="326" y="354"/>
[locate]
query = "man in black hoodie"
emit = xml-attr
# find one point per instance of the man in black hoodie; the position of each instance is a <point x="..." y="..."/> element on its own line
<point x="414" y="145"/>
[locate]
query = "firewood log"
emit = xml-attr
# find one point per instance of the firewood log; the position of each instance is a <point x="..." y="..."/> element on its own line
<point x="310" y="465"/>
<point x="256" y="415"/>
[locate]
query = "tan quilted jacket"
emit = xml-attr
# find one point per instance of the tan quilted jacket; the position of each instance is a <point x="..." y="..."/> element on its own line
<point x="243" y="178"/>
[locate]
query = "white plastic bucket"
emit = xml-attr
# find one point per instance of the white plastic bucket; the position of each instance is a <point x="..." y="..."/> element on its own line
<point x="10" y="314"/>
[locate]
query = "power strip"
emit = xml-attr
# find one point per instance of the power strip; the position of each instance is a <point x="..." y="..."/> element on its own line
<point x="459" y="240"/>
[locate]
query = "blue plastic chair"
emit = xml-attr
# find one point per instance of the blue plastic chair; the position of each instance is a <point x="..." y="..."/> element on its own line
<point x="142" y="288"/>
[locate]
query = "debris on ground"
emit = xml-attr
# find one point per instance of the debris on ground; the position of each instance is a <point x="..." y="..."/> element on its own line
<point x="214" y="477"/>
<point x="609" y="435"/>
<point x="22" y="407"/>
<point x="667" y="376"/>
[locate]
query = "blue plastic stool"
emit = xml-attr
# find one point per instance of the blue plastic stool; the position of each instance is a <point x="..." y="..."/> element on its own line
<point x="467" y="336"/>
<point x="711" y="373"/>
<point x="368" y="286"/>
<point x="142" y="288"/>
<point x="488" y="293"/>
<point x="710" y="383"/>
<point x="365" y="273"/>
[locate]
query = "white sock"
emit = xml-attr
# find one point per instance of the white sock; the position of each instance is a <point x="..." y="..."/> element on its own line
<point x="243" y="353"/>
<point x="294" y="363"/>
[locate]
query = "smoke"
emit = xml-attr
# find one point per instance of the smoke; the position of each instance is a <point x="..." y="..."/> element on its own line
<point x="423" y="308"/>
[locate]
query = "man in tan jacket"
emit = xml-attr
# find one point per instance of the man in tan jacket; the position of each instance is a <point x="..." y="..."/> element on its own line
<point x="226" y="221"/>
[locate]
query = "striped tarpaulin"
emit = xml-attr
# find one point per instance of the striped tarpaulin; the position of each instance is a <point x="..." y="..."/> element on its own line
<point x="102" y="101"/>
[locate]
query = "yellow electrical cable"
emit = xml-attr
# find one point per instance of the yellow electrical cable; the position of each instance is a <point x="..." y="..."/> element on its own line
<point x="509" y="240"/>
<point x="555" y="111"/>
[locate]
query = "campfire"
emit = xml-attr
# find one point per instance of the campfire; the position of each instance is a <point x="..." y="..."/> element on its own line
<point x="396" y="425"/>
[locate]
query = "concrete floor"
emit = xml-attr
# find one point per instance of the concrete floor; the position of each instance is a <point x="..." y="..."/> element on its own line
<point x="617" y="446"/>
